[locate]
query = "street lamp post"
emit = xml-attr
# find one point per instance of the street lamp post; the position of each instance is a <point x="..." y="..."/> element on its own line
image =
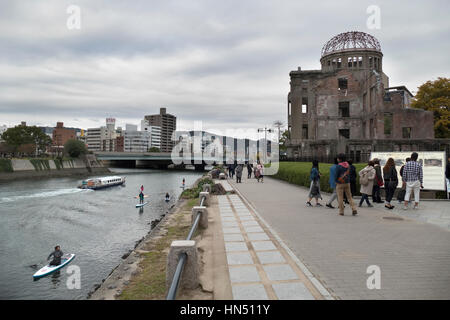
<point x="265" y="129"/>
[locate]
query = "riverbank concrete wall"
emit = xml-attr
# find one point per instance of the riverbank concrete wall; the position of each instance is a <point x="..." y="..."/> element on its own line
<point x="45" y="168"/>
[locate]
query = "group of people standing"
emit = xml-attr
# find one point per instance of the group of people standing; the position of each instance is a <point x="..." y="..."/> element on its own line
<point x="236" y="169"/>
<point x="343" y="178"/>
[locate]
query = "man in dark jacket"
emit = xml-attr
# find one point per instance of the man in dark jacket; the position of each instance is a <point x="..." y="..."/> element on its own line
<point x="343" y="184"/>
<point x="57" y="254"/>
<point x="376" y="197"/>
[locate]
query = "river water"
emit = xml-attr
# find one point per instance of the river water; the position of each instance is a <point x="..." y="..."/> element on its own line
<point x="98" y="226"/>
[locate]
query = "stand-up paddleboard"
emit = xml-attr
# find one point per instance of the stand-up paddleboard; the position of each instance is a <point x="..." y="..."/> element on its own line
<point x="48" y="269"/>
<point x="167" y="199"/>
<point x="141" y="204"/>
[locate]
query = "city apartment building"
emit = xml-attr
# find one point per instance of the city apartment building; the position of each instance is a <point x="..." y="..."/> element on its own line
<point x="168" y="124"/>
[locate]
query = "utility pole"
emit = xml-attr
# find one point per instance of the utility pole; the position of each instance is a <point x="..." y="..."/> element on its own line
<point x="265" y="129"/>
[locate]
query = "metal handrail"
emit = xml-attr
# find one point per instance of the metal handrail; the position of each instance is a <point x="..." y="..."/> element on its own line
<point x="172" y="293"/>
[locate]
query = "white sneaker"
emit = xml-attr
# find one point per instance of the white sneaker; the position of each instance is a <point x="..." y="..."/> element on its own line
<point x="405" y="208"/>
<point x="416" y="207"/>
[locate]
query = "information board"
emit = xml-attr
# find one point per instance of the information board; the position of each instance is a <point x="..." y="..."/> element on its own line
<point x="433" y="165"/>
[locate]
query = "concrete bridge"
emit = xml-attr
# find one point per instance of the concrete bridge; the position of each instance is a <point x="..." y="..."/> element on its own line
<point x="157" y="160"/>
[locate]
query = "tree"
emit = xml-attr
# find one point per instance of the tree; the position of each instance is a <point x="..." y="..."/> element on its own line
<point x="283" y="140"/>
<point x="435" y="96"/>
<point x="153" y="149"/>
<point x="74" y="148"/>
<point x="22" y="135"/>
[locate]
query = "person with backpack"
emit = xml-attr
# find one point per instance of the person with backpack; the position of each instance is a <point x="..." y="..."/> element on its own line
<point x="413" y="180"/>
<point x="332" y="182"/>
<point x="366" y="180"/>
<point x="314" y="188"/>
<point x="401" y="193"/>
<point x="390" y="181"/>
<point x="378" y="182"/>
<point x="343" y="184"/>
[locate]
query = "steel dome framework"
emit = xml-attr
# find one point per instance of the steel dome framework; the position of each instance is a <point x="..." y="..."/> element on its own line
<point x="350" y="40"/>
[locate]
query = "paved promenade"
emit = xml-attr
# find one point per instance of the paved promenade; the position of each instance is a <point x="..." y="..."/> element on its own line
<point x="259" y="267"/>
<point x="412" y="254"/>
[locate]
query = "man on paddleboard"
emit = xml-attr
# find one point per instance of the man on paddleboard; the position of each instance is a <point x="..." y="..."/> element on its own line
<point x="141" y="197"/>
<point x="57" y="254"/>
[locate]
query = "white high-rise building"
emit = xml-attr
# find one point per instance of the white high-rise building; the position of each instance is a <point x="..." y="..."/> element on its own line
<point x="136" y="141"/>
<point x="155" y="134"/>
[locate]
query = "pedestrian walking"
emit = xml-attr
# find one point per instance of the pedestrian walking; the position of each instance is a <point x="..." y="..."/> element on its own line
<point x="239" y="169"/>
<point x="249" y="170"/>
<point x="260" y="171"/>
<point x="402" y="192"/>
<point x="390" y="181"/>
<point x="378" y="182"/>
<point x="343" y="184"/>
<point x="332" y="182"/>
<point x="413" y="180"/>
<point x="366" y="180"/>
<point x="314" y="188"/>
<point x="352" y="177"/>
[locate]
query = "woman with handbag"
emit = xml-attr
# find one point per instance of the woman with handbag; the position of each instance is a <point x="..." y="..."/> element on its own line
<point x="390" y="181"/>
<point x="314" y="188"/>
<point x="366" y="179"/>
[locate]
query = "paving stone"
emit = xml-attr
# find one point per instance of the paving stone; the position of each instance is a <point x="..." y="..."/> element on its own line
<point x="263" y="245"/>
<point x="239" y="258"/>
<point x="249" y="292"/>
<point x="244" y="274"/>
<point x="231" y="230"/>
<point x="228" y="219"/>
<point x="250" y="223"/>
<point x="249" y="229"/>
<point x="235" y="246"/>
<point x="233" y="237"/>
<point x="258" y="236"/>
<point x="292" y="291"/>
<point x="270" y="257"/>
<point x="246" y="218"/>
<point x="280" y="272"/>
<point x="229" y="224"/>
<point x="228" y="214"/>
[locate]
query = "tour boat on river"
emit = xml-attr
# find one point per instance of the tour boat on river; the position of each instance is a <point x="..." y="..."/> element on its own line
<point x="103" y="182"/>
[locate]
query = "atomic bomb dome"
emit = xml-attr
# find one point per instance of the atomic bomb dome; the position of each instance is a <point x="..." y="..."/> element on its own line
<point x="349" y="41"/>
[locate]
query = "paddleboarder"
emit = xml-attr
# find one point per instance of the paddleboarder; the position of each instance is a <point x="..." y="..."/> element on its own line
<point x="142" y="188"/>
<point x="183" y="182"/>
<point x="141" y="197"/>
<point x="57" y="254"/>
<point x="167" y="197"/>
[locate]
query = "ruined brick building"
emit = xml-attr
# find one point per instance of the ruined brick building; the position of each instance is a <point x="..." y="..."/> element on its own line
<point x="347" y="106"/>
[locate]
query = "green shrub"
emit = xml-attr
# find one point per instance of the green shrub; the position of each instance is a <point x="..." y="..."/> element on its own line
<point x="298" y="173"/>
<point x="193" y="193"/>
<point x="58" y="164"/>
<point x="74" y="148"/>
<point x="6" y="165"/>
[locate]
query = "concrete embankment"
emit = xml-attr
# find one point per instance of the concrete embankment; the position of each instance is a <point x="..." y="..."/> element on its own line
<point x="12" y="169"/>
<point x="142" y="273"/>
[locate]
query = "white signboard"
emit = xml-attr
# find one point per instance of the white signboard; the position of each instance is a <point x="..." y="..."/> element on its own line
<point x="433" y="165"/>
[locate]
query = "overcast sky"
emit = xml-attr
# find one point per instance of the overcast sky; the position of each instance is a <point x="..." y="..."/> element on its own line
<point x="225" y="63"/>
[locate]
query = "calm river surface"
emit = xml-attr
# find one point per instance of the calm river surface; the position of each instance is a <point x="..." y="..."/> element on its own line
<point x="98" y="226"/>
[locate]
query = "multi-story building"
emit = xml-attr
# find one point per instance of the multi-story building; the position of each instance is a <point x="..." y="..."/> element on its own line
<point x="136" y="141"/>
<point x="61" y="135"/>
<point x="168" y="124"/>
<point x="348" y="107"/>
<point x="103" y="138"/>
<point x="155" y="134"/>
